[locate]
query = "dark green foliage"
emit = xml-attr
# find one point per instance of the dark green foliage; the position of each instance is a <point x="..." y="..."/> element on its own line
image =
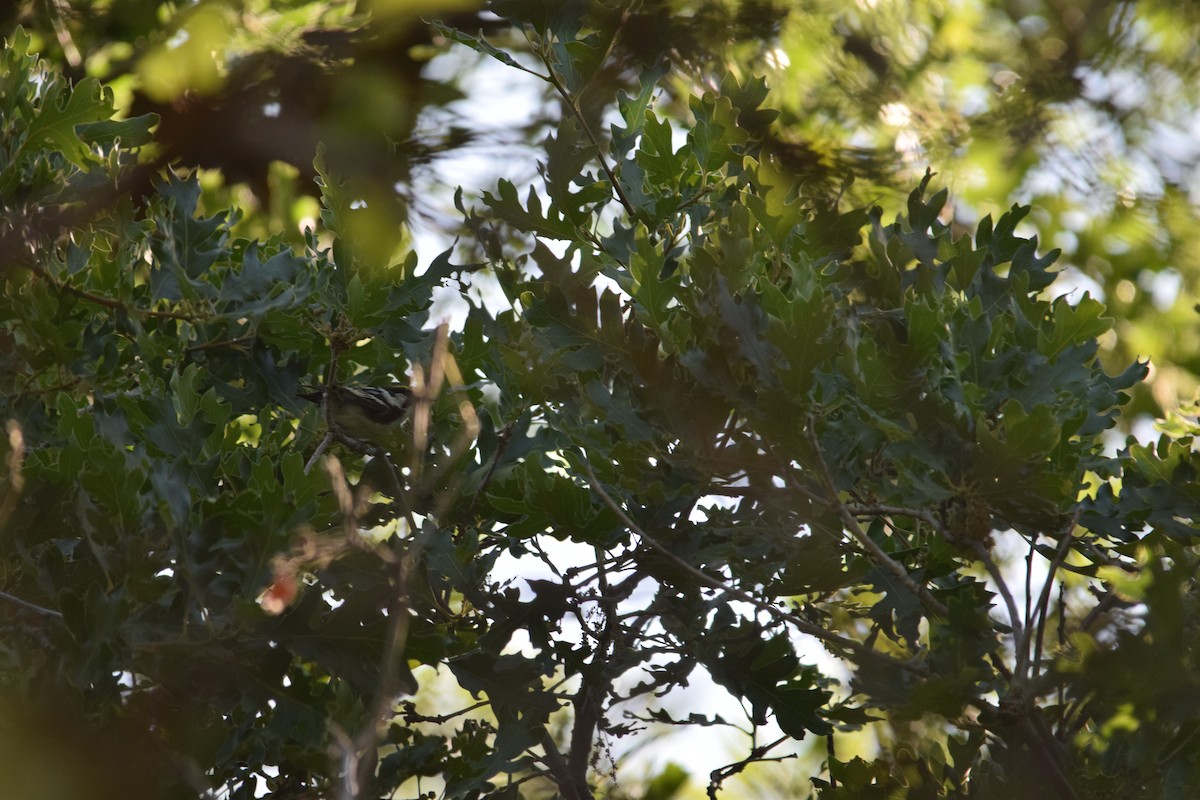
<point x="765" y="420"/>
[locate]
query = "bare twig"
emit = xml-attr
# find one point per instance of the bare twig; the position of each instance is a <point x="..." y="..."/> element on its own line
<point x="1043" y="602"/>
<point x="933" y="523"/>
<point x="1111" y="598"/>
<point x="411" y="716"/>
<point x="831" y="753"/>
<point x="756" y="755"/>
<point x="317" y="453"/>
<point x="28" y="606"/>
<point x="502" y="438"/>
<point x="405" y="553"/>
<point x="876" y="509"/>
<point x="236" y="341"/>
<point x="1014" y="616"/>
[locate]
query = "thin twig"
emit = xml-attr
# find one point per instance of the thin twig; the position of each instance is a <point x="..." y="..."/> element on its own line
<point x="411" y="717"/>
<point x="1110" y="599"/>
<point x="1014" y="617"/>
<point x="703" y="578"/>
<point x="877" y="509"/>
<point x="577" y="112"/>
<point x="1029" y="580"/>
<point x="106" y="302"/>
<point x="930" y="520"/>
<point x="502" y="438"/>
<point x="317" y="453"/>
<point x="406" y="555"/>
<point x="237" y="341"/>
<point x="28" y="606"/>
<point x="1168" y="756"/>
<point x="877" y="553"/>
<point x="1043" y="602"/>
<point x="756" y="755"/>
<point x="831" y="752"/>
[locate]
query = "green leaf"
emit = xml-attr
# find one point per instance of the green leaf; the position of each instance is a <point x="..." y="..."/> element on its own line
<point x="1030" y="435"/>
<point x="63" y="110"/>
<point x="131" y="133"/>
<point x="528" y="217"/>
<point x="668" y="783"/>
<point x="479" y="44"/>
<point x="814" y="565"/>
<point x="656" y="152"/>
<point x="1072" y="324"/>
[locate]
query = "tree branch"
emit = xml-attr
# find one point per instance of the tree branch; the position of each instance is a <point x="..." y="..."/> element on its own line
<point x="28" y="606"/>
<point x="1043" y="602"/>
<point x="877" y="553"/>
<point x="1021" y="642"/>
<point x="561" y="772"/>
<point x="704" y="579"/>
<point x="756" y="755"/>
<point x="577" y="112"/>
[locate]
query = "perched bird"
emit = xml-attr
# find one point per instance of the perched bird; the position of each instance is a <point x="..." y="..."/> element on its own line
<point x="363" y="413"/>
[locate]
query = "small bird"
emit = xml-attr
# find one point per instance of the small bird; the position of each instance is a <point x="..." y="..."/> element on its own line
<point x="363" y="413"/>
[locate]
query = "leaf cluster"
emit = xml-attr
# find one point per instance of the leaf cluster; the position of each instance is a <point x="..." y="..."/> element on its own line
<point x="719" y="430"/>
